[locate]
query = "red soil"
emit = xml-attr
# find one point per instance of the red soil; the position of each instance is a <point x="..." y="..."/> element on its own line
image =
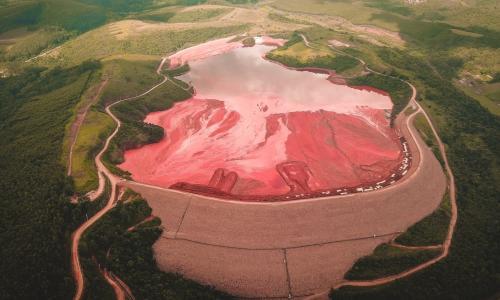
<point x="269" y="41"/>
<point x="301" y="151"/>
<point x="202" y="51"/>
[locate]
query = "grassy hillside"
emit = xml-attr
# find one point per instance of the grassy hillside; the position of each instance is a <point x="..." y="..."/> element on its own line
<point x="296" y="54"/>
<point x="15" y="14"/>
<point x="134" y="133"/>
<point x="388" y="260"/>
<point x="123" y="38"/>
<point x="126" y="78"/>
<point x="95" y="129"/>
<point x="431" y="230"/>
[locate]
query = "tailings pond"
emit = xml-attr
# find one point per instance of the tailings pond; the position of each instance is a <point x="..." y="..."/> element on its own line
<point x="257" y="130"/>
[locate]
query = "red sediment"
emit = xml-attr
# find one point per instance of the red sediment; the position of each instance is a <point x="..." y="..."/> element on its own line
<point x="269" y="41"/>
<point x="296" y="175"/>
<point x="203" y="51"/>
<point x="222" y="181"/>
<point x="370" y="89"/>
<point x="275" y="134"/>
<point x="323" y="150"/>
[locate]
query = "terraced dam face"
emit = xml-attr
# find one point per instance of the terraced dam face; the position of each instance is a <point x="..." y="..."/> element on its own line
<point x="256" y="130"/>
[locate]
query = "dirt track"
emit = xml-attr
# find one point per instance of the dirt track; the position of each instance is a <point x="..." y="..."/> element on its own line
<point x="103" y="172"/>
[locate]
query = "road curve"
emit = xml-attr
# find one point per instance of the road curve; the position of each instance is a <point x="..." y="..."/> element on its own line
<point x="451" y="186"/>
<point x="103" y="172"/>
<point x="240" y="247"/>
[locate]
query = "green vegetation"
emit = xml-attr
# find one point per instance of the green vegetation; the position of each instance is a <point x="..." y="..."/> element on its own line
<point x="391" y="6"/>
<point x="496" y="78"/>
<point x="427" y="135"/>
<point x="388" y="260"/>
<point x="337" y="63"/>
<point x="432" y="230"/>
<point x="30" y="44"/>
<point x="355" y="12"/>
<point x="148" y="42"/>
<point x="409" y="111"/>
<point x="49" y="23"/>
<point x="399" y="91"/>
<point x="284" y="19"/>
<point x="425" y="130"/>
<point x="197" y="15"/>
<point x="36" y="216"/>
<point x="128" y="78"/>
<point x="70" y="15"/>
<point x="128" y="254"/>
<point x="85" y="208"/>
<point x="488" y="99"/>
<point x="96" y="286"/>
<point x="471" y="135"/>
<point x="296" y="54"/>
<point x="445" y="40"/>
<point x="480" y="13"/>
<point x="177" y="71"/>
<point x="93" y="132"/>
<point x="19" y="14"/>
<point x="248" y="42"/>
<point x="156" y="16"/>
<point x="134" y="133"/>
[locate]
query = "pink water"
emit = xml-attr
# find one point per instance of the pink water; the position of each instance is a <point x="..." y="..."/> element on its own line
<point x="257" y="128"/>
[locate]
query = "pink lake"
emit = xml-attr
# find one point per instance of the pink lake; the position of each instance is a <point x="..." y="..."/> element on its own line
<point x="256" y="128"/>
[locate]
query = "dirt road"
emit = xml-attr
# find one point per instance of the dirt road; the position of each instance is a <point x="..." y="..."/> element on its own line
<point x="103" y="172"/>
<point x="451" y="186"/>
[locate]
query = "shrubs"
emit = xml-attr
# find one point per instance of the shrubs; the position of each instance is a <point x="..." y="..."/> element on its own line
<point x="338" y="63"/>
<point x="399" y="91"/>
<point x="134" y="133"/>
<point x="432" y="230"/>
<point x="388" y="260"/>
<point x="288" y="56"/>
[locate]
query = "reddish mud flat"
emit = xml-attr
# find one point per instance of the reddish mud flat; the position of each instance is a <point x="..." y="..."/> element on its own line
<point x="256" y="129"/>
<point x="202" y="51"/>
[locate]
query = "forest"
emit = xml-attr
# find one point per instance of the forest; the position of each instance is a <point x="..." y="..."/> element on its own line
<point x="399" y="91"/>
<point x="36" y="217"/>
